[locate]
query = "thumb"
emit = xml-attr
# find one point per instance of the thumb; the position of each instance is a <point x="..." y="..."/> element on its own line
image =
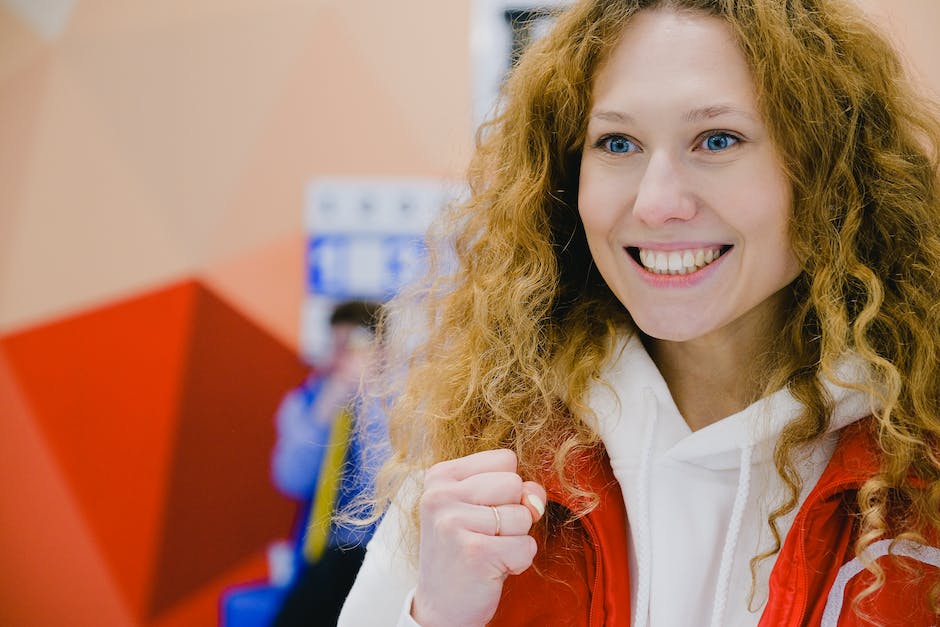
<point x="534" y="499"/>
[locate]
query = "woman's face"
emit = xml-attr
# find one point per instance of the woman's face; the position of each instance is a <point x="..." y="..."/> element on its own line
<point x="682" y="194"/>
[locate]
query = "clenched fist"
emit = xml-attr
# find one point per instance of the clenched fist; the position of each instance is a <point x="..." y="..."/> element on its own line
<point x="476" y="513"/>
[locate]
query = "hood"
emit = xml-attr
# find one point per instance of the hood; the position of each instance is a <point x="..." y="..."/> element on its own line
<point x="631" y="378"/>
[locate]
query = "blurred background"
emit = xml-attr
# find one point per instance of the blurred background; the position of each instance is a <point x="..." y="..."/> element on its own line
<point x="186" y="186"/>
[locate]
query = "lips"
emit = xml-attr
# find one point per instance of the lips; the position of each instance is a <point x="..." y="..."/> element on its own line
<point x="684" y="261"/>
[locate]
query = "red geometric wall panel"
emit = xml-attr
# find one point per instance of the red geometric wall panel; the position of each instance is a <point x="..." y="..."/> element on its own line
<point x="157" y="416"/>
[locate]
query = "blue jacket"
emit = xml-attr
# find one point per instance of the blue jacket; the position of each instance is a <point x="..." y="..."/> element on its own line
<point x="299" y="454"/>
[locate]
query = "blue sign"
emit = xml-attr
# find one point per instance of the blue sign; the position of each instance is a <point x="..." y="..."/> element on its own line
<point x="362" y="265"/>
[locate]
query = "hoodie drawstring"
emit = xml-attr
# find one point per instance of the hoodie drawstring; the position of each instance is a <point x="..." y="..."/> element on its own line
<point x="731" y="538"/>
<point x="644" y="535"/>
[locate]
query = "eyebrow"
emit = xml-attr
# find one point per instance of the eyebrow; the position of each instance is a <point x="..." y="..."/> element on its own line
<point x="611" y="116"/>
<point x="713" y="111"/>
<point x="695" y="115"/>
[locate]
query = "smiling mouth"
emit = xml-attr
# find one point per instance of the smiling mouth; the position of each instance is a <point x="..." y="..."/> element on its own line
<point x="676" y="261"/>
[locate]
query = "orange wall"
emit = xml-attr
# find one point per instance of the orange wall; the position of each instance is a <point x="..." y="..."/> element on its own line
<point x="152" y="141"/>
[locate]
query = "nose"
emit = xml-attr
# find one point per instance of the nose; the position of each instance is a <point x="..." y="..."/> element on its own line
<point x="663" y="195"/>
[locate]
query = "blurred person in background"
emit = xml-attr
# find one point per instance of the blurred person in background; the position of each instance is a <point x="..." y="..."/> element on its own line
<point x="319" y="459"/>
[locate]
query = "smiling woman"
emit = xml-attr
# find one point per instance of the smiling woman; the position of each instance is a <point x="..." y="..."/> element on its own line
<point x="674" y="171"/>
<point x="695" y="287"/>
<point x="681" y="140"/>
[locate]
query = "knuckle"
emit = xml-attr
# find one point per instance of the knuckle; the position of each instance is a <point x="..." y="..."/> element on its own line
<point x="522" y="556"/>
<point x="433" y="498"/>
<point x="446" y="523"/>
<point x="509" y="457"/>
<point x="436" y="472"/>
<point x="474" y="548"/>
<point x="532" y="546"/>
<point x="521" y="518"/>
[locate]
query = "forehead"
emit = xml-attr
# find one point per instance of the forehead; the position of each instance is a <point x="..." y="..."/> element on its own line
<point x="664" y="52"/>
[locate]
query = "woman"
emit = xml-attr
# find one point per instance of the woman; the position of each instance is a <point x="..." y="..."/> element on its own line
<point x="686" y="370"/>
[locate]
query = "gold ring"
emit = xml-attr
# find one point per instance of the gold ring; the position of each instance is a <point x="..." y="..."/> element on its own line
<point x="498" y="521"/>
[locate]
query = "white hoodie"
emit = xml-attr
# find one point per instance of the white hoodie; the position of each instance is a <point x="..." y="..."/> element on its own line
<point x="697" y="502"/>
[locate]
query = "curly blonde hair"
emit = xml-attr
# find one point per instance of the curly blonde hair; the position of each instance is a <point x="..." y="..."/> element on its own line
<point x="519" y="323"/>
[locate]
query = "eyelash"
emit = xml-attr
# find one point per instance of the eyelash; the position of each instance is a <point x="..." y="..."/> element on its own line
<point x="603" y="141"/>
<point x="704" y="138"/>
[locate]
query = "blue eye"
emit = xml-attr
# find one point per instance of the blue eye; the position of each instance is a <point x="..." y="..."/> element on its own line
<point x="717" y="142"/>
<point x="618" y="144"/>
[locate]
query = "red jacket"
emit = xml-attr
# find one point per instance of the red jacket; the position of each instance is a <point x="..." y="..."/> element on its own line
<point x="581" y="576"/>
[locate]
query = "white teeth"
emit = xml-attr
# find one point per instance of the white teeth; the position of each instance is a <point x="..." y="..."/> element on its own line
<point x="675" y="262"/>
<point x="661" y="265"/>
<point x="678" y="261"/>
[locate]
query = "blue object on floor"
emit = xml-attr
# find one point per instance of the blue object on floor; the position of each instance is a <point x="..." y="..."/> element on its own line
<point x="252" y="605"/>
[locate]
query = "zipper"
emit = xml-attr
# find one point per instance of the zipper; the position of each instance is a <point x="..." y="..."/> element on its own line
<point x="801" y="573"/>
<point x="595" y="596"/>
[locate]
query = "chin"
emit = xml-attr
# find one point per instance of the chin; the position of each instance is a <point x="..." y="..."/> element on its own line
<point x="661" y="329"/>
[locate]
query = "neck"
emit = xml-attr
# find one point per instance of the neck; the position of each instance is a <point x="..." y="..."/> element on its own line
<point x="720" y="374"/>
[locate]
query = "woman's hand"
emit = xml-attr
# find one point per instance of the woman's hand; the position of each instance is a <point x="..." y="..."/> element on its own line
<point x="476" y="513"/>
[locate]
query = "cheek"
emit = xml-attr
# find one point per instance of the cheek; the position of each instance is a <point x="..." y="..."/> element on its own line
<point x="770" y="233"/>
<point x="759" y="204"/>
<point x="595" y="205"/>
<point x="770" y="183"/>
<point x="596" y="228"/>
